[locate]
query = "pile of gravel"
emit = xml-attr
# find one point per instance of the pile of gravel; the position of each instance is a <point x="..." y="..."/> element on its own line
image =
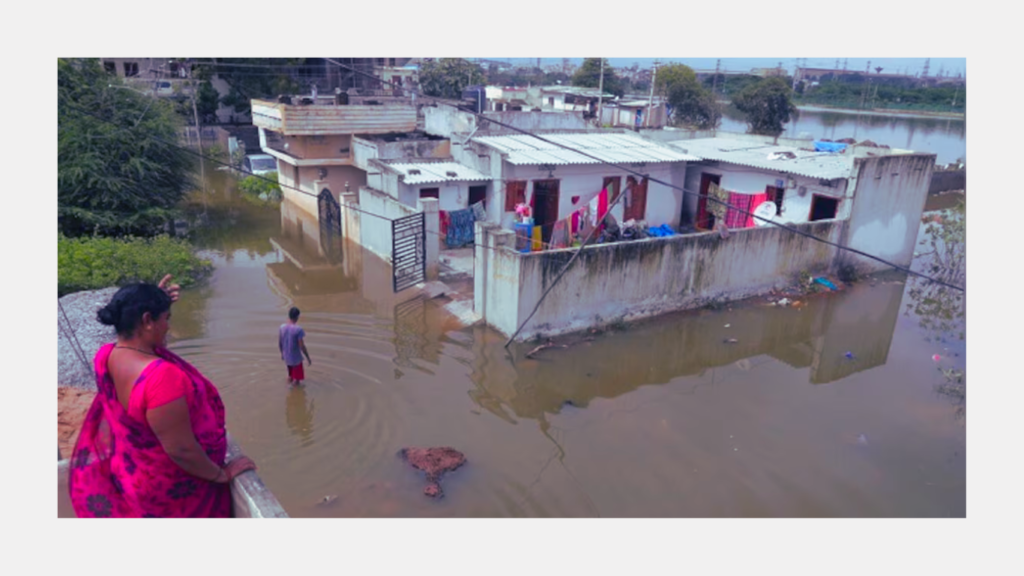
<point x="80" y="309"/>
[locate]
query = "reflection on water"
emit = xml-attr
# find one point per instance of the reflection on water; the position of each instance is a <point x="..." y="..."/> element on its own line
<point x="945" y="137"/>
<point x="665" y="418"/>
<point x="299" y="412"/>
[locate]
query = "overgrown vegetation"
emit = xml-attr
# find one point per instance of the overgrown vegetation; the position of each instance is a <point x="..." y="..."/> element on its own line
<point x="262" y="190"/>
<point x="97" y="262"/>
<point x="119" y="169"/>
<point x="940" y="309"/>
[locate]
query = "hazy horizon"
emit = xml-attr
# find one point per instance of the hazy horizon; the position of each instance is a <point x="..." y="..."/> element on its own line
<point x="951" y="66"/>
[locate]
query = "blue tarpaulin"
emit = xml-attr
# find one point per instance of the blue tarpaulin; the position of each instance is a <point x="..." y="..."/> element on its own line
<point x="829" y="147"/>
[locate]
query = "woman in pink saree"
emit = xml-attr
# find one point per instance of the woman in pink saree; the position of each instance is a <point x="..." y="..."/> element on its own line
<point x="153" y="443"/>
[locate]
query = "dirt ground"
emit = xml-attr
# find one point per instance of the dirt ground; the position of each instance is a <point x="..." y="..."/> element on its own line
<point x="72" y="406"/>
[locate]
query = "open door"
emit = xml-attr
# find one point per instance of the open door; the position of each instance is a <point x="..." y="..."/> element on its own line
<point x="545" y="206"/>
<point x="706" y="220"/>
<point x="636" y="202"/>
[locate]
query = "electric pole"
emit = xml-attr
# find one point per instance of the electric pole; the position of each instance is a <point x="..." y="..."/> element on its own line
<point x="714" y="81"/>
<point x="600" y="96"/>
<point x="650" y="103"/>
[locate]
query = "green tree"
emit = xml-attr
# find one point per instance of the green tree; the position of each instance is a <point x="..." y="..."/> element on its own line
<point x="691" y="103"/>
<point x="119" y="170"/>
<point x="589" y="75"/>
<point x="448" y="77"/>
<point x="767" y="106"/>
<point x="251" y="78"/>
<point x="207" y="102"/>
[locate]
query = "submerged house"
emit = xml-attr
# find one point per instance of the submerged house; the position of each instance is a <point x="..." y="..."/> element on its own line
<point x="862" y="197"/>
<point x="554" y="181"/>
<point x="879" y="192"/>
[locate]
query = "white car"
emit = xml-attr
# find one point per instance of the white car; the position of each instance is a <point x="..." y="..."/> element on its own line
<point x="259" y="164"/>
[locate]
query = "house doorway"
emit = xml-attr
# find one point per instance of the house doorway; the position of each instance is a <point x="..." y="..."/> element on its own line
<point x="636" y="200"/>
<point x="706" y="220"/>
<point x="613" y="184"/>
<point x="775" y="195"/>
<point x="478" y="194"/>
<point x="823" y="207"/>
<point x="545" y="206"/>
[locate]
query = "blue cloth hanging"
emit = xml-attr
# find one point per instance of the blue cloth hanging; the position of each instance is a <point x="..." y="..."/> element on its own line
<point x="461" y="230"/>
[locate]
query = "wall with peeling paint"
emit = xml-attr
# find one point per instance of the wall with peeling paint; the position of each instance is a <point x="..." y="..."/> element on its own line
<point x="888" y="202"/>
<point x="631" y="280"/>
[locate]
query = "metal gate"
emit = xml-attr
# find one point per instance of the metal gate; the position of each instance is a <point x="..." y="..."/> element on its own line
<point x="330" y="226"/>
<point x="409" y="251"/>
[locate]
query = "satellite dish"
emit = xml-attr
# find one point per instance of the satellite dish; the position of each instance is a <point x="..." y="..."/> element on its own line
<point x="764" y="210"/>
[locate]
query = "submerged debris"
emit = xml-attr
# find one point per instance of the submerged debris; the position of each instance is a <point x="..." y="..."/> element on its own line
<point x="434" y="462"/>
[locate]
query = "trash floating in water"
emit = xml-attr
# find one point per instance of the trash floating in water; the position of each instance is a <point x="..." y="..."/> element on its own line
<point x="730" y="341"/>
<point x="727" y="325"/>
<point x="936" y="357"/>
<point x="862" y="440"/>
<point x="848" y="354"/>
<point x="826" y="283"/>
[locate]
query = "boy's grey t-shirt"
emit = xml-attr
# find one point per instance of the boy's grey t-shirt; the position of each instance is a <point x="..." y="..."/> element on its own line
<point x="289" y="336"/>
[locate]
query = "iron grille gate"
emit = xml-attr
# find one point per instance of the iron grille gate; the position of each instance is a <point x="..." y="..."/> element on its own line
<point x="408" y="251"/>
<point x="330" y="226"/>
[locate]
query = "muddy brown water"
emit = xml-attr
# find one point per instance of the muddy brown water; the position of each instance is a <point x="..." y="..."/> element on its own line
<point x="661" y="419"/>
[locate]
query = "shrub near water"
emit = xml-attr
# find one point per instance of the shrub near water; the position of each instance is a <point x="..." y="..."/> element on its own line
<point x="94" y="263"/>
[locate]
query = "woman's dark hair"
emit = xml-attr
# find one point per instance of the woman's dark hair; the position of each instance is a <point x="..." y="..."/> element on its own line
<point x="125" y="309"/>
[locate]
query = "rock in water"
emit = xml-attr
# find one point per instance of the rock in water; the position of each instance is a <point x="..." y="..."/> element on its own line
<point x="434" y="462"/>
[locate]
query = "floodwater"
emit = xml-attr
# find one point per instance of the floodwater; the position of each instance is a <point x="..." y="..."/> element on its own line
<point x="661" y="419"/>
<point x="946" y="137"/>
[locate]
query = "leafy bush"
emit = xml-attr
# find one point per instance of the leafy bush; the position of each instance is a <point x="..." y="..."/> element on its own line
<point x="97" y="262"/>
<point x="260" y="189"/>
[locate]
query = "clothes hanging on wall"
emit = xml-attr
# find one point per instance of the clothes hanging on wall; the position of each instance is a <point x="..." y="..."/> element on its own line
<point x="717" y="209"/>
<point x="461" y="230"/>
<point x="755" y="201"/>
<point x="560" y="235"/>
<point x="734" y="218"/>
<point x="478" y="211"/>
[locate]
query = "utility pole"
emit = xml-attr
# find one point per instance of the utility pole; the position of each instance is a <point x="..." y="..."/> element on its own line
<point x="927" y="63"/>
<point x="600" y="95"/>
<point x="199" y="134"/>
<point x="650" y="103"/>
<point x="714" y="81"/>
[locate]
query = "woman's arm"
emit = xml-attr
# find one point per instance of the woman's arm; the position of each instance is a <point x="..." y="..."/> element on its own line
<point x="170" y="422"/>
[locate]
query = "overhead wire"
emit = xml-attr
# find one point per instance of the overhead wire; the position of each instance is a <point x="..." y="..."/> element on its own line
<point x="689" y="192"/>
<point x="189" y="150"/>
<point x="592" y="157"/>
<point x="671" y="186"/>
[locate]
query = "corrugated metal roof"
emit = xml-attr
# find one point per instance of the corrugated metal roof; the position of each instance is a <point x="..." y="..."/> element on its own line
<point x="435" y="172"/>
<point x="756" y="154"/>
<point x="619" y="148"/>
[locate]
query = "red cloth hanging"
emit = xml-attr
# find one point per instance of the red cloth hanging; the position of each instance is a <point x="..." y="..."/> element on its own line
<point x="755" y="201"/>
<point x="734" y="218"/>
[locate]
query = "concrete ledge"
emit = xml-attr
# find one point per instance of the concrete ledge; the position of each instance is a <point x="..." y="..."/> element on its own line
<point x="250" y="497"/>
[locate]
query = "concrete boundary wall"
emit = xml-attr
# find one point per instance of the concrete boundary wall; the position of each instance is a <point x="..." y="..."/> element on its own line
<point x="375" y="233"/>
<point x="626" y="281"/>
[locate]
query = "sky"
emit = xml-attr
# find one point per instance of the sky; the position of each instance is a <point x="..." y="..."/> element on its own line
<point x="890" y="65"/>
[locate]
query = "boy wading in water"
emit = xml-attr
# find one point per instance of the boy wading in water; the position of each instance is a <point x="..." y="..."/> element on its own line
<point x="290" y="341"/>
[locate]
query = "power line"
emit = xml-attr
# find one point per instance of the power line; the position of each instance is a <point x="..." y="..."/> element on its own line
<point x="299" y="190"/>
<point x="684" y="191"/>
<point x="601" y="161"/>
